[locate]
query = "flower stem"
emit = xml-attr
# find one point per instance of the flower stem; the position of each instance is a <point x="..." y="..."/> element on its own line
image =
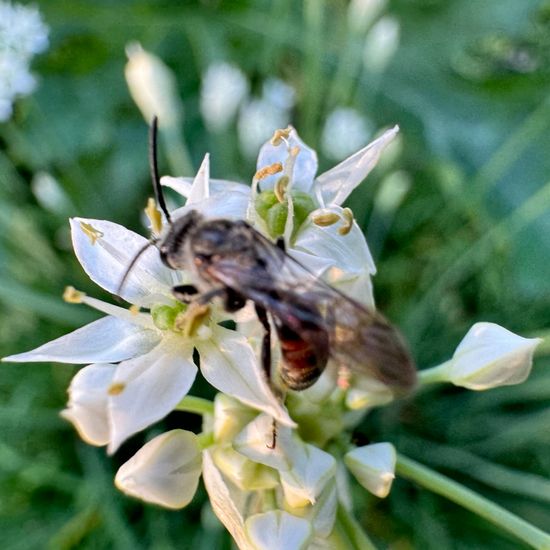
<point x="196" y="405"/>
<point x="470" y="500"/>
<point x="353" y="531"/>
<point x="435" y="374"/>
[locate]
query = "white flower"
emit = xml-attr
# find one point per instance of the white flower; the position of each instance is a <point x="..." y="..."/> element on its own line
<point x="22" y="35"/>
<point x="259" y="116"/>
<point x="373" y="466"/>
<point x="490" y="356"/>
<point x="345" y="131"/>
<point x="277" y="529"/>
<point x="155" y="369"/>
<point x="153" y="87"/>
<point x="224" y="87"/>
<point x="381" y="44"/>
<point x="165" y="471"/>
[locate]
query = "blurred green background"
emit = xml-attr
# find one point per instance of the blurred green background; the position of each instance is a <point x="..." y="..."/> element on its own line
<point x="457" y="215"/>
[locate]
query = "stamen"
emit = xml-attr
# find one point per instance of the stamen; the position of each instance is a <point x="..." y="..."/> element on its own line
<point x="93" y="233"/>
<point x="191" y="320"/>
<point x="281" y="187"/>
<point x="347" y="214"/>
<point x="266" y="171"/>
<point x="134" y="309"/>
<point x="325" y="219"/>
<point x="294" y="151"/>
<point x="73" y="296"/>
<point x="116" y="389"/>
<point x="280" y="135"/>
<point x="154" y="216"/>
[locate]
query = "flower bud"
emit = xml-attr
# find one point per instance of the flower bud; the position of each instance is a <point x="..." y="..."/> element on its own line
<point x="278" y="529"/>
<point x="490" y="356"/>
<point x="153" y="87"/>
<point x="230" y="417"/>
<point x="373" y="466"/>
<point x="165" y="471"/>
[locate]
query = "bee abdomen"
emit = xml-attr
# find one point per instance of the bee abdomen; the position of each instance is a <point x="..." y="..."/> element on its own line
<point x="303" y="362"/>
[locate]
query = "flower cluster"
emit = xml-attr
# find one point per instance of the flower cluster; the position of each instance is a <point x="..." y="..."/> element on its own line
<point x="141" y="361"/>
<point x="22" y="35"/>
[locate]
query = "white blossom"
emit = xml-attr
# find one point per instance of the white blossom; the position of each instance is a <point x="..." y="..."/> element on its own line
<point x="490" y="356"/>
<point x="165" y="471"/>
<point x="381" y="44"/>
<point x="153" y="87"/>
<point x="223" y="88"/>
<point x="373" y="466"/>
<point x="344" y="132"/>
<point x="22" y="35"/>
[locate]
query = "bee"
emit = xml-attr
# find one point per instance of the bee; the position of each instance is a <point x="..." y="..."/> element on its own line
<point x="314" y="322"/>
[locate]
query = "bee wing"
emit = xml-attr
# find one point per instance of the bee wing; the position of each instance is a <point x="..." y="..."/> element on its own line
<point x="360" y="339"/>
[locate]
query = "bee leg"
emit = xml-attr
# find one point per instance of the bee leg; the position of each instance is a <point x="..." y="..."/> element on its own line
<point x="266" y="342"/>
<point x="281" y="244"/>
<point x="185" y="293"/>
<point x="273" y="443"/>
<point x="266" y="363"/>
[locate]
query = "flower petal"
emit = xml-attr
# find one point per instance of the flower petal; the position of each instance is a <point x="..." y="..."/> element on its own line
<point x="107" y="340"/>
<point x="373" y="466"/>
<point x="225" y="501"/>
<point x="230" y="417"/>
<point x="200" y="189"/>
<point x="165" y="471"/>
<point x="229" y="363"/>
<point x="311" y="470"/>
<point x="87" y="407"/>
<point x="336" y="184"/>
<point x="305" y="166"/>
<point x="147" y="388"/>
<point x="106" y="259"/>
<point x="278" y="529"/>
<point x="344" y="261"/>
<point x="490" y="356"/>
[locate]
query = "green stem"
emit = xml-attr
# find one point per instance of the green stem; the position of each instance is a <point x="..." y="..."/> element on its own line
<point x="470" y="500"/>
<point x="353" y="531"/>
<point x="196" y="405"/>
<point x="177" y="152"/>
<point x="205" y="439"/>
<point x="435" y="374"/>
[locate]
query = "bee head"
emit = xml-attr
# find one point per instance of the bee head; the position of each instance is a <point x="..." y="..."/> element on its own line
<point x="172" y="245"/>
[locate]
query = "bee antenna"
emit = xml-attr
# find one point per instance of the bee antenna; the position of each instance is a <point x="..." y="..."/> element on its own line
<point x="153" y="163"/>
<point x="132" y="264"/>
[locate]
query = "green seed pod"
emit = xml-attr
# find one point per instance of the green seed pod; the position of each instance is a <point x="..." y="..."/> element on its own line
<point x="276" y="219"/>
<point x="303" y="206"/>
<point x="264" y="201"/>
<point x="164" y="317"/>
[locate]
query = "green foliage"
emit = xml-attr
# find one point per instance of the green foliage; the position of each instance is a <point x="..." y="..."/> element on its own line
<point x="468" y="87"/>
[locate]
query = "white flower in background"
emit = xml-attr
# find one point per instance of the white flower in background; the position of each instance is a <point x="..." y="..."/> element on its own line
<point x="373" y="466"/>
<point x="165" y="471"/>
<point x="345" y="131"/>
<point x="22" y="35"/>
<point x="259" y="116"/>
<point x="489" y="356"/>
<point x="381" y="44"/>
<point x="224" y="86"/>
<point x="153" y="87"/>
<point x="362" y="13"/>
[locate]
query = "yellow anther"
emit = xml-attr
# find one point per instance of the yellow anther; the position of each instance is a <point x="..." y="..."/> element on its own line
<point x="325" y="219"/>
<point x="91" y="231"/>
<point x="116" y="389"/>
<point x="345" y="228"/>
<point x="266" y="171"/>
<point x="154" y="216"/>
<point x="280" y="135"/>
<point x="73" y="296"/>
<point x="189" y="321"/>
<point x="134" y="309"/>
<point x="280" y="188"/>
<point x="294" y="151"/>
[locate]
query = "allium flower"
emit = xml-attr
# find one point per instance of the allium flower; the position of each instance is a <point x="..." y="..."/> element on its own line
<point x="223" y="89"/>
<point x="345" y="131"/>
<point x="22" y="35"/>
<point x="273" y="465"/>
<point x="488" y="356"/>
